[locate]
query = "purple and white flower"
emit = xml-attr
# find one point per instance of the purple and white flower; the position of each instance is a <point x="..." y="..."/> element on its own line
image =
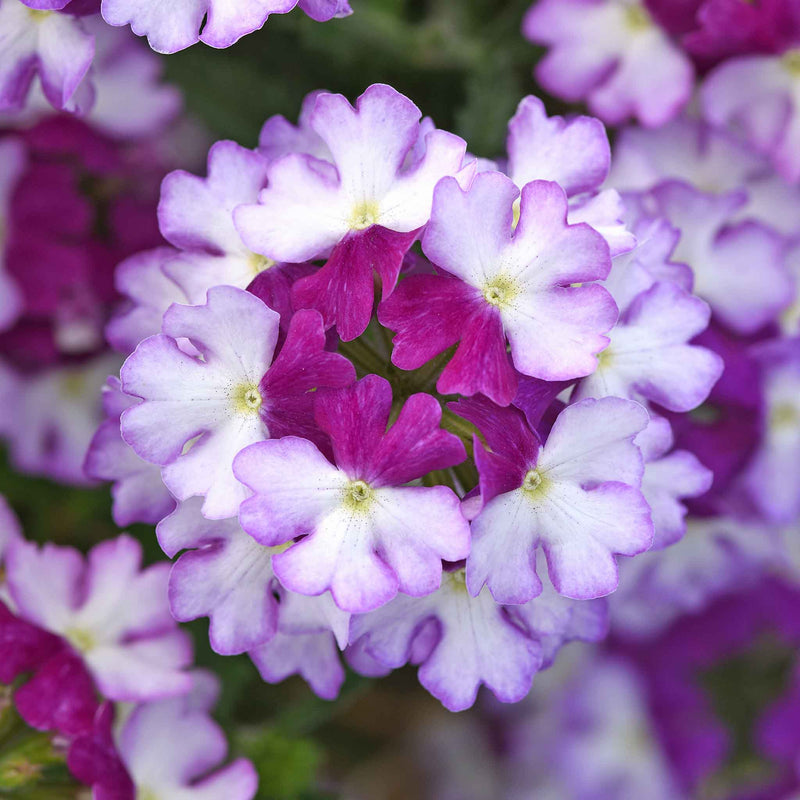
<point x="503" y="283"/>
<point x="612" y="54"/>
<point x="218" y="23"/>
<point x="311" y="633"/>
<point x="366" y="535"/>
<point x="53" y="46"/>
<point x="756" y="95"/>
<point x="224" y="575"/>
<point x="138" y="493"/>
<point x="112" y="613"/>
<point x="650" y="358"/>
<point x="167" y="748"/>
<point x="577" y="497"/>
<point x="363" y="210"/>
<point x="460" y="642"/>
<point x="739" y="267"/>
<point x="576" y="155"/>
<point x="197" y="413"/>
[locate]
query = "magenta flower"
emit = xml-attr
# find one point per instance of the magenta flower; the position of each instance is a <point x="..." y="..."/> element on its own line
<point x="169" y="748"/>
<point x="612" y="54"/>
<point x="503" y="283"/>
<point x="364" y="209"/>
<point x="114" y="616"/>
<point x="366" y="535"/>
<point x="577" y="496"/>
<point x="238" y="392"/>
<point x="12" y="166"/>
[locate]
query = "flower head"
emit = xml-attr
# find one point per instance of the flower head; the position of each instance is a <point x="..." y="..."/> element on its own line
<point x="366" y="535"/>
<point x="364" y="208"/>
<point x="503" y="283"/>
<point x="235" y="393"/>
<point x="577" y="496"/>
<point x="612" y="54"/>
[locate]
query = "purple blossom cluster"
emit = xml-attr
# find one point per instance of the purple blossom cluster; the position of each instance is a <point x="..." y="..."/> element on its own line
<point x="635" y="720"/>
<point x="76" y="197"/>
<point x="372" y="377"/>
<point x="55" y="49"/>
<point x="639" y="59"/>
<point x="98" y="661"/>
<point x="389" y="403"/>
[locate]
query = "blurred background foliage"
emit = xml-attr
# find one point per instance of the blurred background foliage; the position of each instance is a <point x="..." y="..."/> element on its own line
<point x="465" y="64"/>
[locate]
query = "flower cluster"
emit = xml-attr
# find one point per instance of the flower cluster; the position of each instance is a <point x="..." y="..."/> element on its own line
<point x="391" y="404"/>
<point x="573" y="736"/>
<point x="57" y="49"/>
<point x="639" y="58"/>
<point x="76" y="197"/>
<point x="375" y="470"/>
<point x="98" y="662"/>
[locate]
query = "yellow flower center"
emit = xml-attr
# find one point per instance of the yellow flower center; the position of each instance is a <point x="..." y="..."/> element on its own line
<point x="605" y="358"/>
<point x="143" y="793"/>
<point x="456" y="580"/>
<point x="500" y="292"/>
<point x="81" y="640"/>
<point x="637" y="18"/>
<point x="364" y="216"/>
<point x="791" y="62"/>
<point x="533" y="480"/>
<point x="784" y="415"/>
<point x="39" y="15"/>
<point x="358" y="496"/>
<point x="247" y="399"/>
<point x="73" y="384"/>
<point x="259" y="263"/>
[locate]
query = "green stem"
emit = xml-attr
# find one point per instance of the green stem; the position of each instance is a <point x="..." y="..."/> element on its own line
<point x="461" y="428"/>
<point x="359" y="351"/>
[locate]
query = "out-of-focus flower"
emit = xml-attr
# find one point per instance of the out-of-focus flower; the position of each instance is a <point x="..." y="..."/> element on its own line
<point x="612" y="54"/>
<point x="219" y="23"/>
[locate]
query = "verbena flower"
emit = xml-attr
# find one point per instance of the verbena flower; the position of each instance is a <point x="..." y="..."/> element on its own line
<point x="111" y="615"/>
<point x="612" y="54"/>
<point x="362" y="211"/>
<point x="214" y="22"/>
<point x="366" y="535"/>
<point x="503" y="283"/>
<point x="239" y="392"/>
<point x="576" y="496"/>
